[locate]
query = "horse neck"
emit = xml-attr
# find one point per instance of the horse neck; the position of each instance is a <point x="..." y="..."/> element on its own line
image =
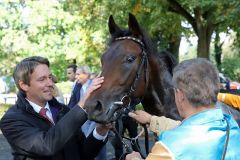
<point x="158" y="95"/>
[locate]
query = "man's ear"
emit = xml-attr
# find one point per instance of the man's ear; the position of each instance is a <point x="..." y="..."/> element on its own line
<point x="181" y="96"/>
<point x="23" y="86"/>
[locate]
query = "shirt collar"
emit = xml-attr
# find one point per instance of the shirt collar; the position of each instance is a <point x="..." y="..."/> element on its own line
<point x="206" y="116"/>
<point x="85" y="85"/>
<point x="36" y="107"/>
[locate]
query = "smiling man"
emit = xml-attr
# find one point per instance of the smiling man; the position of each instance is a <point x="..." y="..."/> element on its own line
<point x="38" y="127"/>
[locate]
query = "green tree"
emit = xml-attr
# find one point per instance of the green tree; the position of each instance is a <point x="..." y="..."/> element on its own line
<point x="204" y="16"/>
<point x="40" y="28"/>
<point x="164" y="27"/>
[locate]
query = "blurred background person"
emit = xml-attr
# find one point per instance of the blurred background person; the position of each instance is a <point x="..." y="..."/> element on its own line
<point x="71" y="72"/>
<point x="83" y="81"/>
<point x="57" y="93"/>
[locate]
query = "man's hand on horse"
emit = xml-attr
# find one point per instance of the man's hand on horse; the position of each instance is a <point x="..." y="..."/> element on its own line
<point x="141" y="116"/>
<point x="95" y="84"/>
<point x="102" y="129"/>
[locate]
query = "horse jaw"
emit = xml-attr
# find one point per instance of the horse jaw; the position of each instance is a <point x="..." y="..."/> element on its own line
<point x="104" y="116"/>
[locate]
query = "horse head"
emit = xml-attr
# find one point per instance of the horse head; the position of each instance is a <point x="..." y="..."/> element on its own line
<point x="126" y="69"/>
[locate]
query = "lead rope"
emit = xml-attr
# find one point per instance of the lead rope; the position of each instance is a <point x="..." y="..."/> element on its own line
<point x="226" y="140"/>
<point x="134" y="141"/>
<point x="125" y="145"/>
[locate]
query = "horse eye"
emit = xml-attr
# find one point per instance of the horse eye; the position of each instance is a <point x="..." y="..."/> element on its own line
<point x="130" y="59"/>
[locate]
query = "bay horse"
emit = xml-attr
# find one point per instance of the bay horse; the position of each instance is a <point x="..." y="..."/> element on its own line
<point x="134" y="72"/>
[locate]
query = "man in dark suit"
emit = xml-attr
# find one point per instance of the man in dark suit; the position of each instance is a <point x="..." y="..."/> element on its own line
<point x="38" y="127"/>
<point x="75" y="95"/>
<point x="82" y="75"/>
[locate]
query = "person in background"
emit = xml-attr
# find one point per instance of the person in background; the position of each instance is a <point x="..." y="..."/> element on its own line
<point x="38" y="127"/>
<point x="83" y="74"/>
<point x="57" y="93"/>
<point x="230" y="99"/>
<point x="75" y="95"/>
<point x="205" y="133"/>
<point x="71" y="72"/>
<point x="93" y="75"/>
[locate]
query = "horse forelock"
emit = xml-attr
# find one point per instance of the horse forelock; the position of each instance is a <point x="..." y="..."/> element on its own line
<point x="120" y="33"/>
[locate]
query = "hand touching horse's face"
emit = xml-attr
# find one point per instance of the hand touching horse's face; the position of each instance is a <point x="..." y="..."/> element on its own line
<point x="120" y="65"/>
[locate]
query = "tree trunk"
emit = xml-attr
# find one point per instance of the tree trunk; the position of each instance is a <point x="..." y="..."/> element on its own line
<point x="204" y="39"/>
<point x="218" y="49"/>
<point x="174" y="47"/>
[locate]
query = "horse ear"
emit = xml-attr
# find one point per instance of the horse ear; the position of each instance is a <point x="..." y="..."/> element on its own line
<point x="133" y="25"/>
<point x="113" y="28"/>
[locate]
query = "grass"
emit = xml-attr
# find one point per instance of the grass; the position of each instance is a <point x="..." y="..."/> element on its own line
<point x="4" y="108"/>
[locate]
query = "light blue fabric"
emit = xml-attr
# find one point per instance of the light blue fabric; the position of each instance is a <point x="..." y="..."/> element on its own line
<point x="84" y="87"/>
<point x="89" y="126"/>
<point x="202" y="137"/>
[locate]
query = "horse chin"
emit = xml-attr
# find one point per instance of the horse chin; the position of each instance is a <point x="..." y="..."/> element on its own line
<point x="109" y="116"/>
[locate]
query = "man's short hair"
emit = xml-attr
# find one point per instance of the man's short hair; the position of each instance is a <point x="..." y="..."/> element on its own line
<point x="198" y="79"/>
<point x="84" y="69"/>
<point x="73" y="66"/>
<point x="26" y="67"/>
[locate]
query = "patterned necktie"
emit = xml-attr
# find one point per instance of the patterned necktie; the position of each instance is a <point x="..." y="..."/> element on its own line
<point x="43" y="113"/>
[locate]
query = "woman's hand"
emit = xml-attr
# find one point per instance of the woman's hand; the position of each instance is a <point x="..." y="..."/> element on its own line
<point x="95" y="84"/>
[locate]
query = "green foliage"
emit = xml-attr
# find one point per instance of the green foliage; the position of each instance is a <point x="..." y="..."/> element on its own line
<point x="44" y="28"/>
<point x="64" y="31"/>
<point x="231" y="68"/>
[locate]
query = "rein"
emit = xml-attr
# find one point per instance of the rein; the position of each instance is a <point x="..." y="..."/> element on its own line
<point x="126" y="101"/>
<point x="226" y="140"/>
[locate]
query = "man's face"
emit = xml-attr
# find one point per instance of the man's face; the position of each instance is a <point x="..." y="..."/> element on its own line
<point x="70" y="74"/>
<point x="40" y="89"/>
<point x="81" y="77"/>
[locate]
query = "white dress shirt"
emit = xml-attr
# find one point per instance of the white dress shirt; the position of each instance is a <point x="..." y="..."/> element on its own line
<point x="92" y="125"/>
<point x="37" y="109"/>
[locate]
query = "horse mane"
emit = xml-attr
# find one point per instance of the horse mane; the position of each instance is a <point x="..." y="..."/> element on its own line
<point x="166" y="58"/>
<point x="169" y="60"/>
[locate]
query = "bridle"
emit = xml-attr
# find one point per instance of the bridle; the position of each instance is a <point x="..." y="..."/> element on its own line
<point x="126" y="101"/>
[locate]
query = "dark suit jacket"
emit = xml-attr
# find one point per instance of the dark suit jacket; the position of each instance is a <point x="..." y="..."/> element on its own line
<point x="75" y="97"/>
<point x="33" y="137"/>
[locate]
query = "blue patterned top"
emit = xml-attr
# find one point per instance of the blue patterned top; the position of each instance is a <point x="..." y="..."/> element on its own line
<point x="202" y="137"/>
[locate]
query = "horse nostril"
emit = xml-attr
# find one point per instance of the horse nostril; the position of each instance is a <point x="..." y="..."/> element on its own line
<point x="98" y="106"/>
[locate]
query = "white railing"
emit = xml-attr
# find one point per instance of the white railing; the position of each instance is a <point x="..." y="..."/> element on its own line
<point x="12" y="98"/>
